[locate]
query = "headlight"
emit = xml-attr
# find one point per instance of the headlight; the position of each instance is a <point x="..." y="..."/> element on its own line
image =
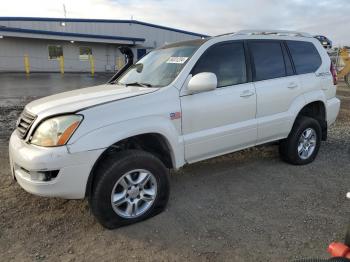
<point x="56" y="131"/>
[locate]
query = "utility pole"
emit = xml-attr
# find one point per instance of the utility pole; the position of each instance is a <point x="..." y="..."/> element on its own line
<point x="64" y="11"/>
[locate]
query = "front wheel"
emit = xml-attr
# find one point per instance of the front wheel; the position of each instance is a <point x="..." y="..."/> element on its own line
<point x="130" y="186"/>
<point x="302" y="144"/>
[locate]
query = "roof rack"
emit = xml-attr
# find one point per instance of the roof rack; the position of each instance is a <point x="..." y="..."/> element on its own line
<point x="273" y="32"/>
<point x="231" y="33"/>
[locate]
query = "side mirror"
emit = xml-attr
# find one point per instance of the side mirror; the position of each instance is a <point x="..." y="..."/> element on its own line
<point x="202" y="82"/>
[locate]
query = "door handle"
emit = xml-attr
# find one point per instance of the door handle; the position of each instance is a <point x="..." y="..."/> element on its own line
<point x="292" y="85"/>
<point x="247" y="93"/>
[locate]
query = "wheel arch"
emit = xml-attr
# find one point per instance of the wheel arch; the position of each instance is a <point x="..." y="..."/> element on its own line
<point x="317" y="110"/>
<point x="152" y="142"/>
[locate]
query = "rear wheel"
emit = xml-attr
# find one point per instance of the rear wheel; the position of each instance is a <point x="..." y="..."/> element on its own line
<point x="130" y="186"/>
<point x="302" y="144"/>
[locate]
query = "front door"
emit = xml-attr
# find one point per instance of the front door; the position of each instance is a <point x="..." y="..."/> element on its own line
<point x="221" y="120"/>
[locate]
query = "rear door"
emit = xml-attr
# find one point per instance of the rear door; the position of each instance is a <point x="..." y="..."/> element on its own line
<point x="276" y="86"/>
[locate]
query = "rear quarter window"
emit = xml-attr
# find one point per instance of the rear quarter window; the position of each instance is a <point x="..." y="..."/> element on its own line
<point x="305" y="56"/>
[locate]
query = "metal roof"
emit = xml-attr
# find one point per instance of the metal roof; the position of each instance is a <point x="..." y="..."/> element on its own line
<point x="79" y="35"/>
<point x="83" y="20"/>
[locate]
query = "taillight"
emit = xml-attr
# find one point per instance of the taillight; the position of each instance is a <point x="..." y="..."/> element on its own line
<point x="334" y="74"/>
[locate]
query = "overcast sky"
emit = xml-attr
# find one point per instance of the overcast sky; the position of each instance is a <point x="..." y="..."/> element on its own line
<point x="327" y="17"/>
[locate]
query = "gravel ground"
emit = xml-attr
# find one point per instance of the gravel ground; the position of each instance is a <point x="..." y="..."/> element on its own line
<point x="245" y="206"/>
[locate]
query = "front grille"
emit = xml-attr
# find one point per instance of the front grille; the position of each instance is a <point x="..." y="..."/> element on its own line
<point x="25" y="121"/>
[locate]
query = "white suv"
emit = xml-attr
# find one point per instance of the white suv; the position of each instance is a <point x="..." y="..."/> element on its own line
<point x="180" y="104"/>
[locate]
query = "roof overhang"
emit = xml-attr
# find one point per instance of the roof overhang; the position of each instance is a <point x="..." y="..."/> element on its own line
<point x="66" y="36"/>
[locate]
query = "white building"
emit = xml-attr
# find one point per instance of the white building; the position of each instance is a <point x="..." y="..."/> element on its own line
<point x="41" y="42"/>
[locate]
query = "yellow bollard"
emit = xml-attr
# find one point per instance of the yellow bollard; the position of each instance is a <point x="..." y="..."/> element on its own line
<point x="61" y="64"/>
<point x="92" y="65"/>
<point x="26" y="64"/>
<point x="120" y="62"/>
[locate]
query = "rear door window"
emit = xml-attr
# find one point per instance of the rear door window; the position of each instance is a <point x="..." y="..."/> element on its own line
<point x="226" y="61"/>
<point x="268" y="60"/>
<point x="305" y="56"/>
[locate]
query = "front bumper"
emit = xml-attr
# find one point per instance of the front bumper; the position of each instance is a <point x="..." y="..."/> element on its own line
<point x="74" y="169"/>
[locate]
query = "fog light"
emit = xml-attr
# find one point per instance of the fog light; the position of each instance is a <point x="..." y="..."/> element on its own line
<point x="38" y="176"/>
<point x="43" y="175"/>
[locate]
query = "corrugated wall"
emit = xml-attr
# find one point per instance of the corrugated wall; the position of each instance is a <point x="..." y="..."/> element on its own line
<point x="13" y="50"/>
<point x="15" y="45"/>
<point x="155" y="37"/>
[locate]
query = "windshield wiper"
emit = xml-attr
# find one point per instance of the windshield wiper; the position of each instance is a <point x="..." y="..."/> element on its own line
<point x="138" y="84"/>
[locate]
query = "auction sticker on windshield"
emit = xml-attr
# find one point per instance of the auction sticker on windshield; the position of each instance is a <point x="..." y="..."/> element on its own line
<point x="177" y="60"/>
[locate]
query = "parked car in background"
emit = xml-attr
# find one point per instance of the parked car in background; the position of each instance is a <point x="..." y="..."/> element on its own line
<point x="179" y="104"/>
<point x="326" y="43"/>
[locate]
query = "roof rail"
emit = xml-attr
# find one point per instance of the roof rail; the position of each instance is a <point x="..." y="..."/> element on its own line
<point x="231" y="33"/>
<point x="273" y="32"/>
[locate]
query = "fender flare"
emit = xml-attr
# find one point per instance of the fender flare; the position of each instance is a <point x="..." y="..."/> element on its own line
<point x="104" y="137"/>
<point x="312" y="97"/>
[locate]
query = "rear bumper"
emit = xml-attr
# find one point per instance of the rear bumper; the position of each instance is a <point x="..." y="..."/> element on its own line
<point x="74" y="169"/>
<point x="333" y="107"/>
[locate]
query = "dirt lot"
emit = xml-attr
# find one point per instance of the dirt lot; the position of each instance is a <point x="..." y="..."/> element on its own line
<point x="246" y="206"/>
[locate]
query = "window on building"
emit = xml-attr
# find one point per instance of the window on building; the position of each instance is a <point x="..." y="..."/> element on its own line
<point x="305" y="56"/>
<point x="84" y="52"/>
<point x="227" y="61"/>
<point x="55" y="51"/>
<point x="268" y="60"/>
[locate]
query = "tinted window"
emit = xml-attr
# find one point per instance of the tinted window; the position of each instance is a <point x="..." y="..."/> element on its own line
<point x="268" y="60"/>
<point x="227" y="61"/>
<point x="305" y="56"/>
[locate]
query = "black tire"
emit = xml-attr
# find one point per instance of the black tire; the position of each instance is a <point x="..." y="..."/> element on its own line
<point x="289" y="147"/>
<point x="111" y="169"/>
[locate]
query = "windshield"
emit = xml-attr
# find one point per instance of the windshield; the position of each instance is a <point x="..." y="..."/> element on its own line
<point x="160" y="67"/>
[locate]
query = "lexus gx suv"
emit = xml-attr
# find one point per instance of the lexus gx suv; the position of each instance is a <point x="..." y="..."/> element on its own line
<point x="184" y="102"/>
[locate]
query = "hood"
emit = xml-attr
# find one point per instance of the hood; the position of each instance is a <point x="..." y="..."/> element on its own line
<point x="75" y="100"/>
